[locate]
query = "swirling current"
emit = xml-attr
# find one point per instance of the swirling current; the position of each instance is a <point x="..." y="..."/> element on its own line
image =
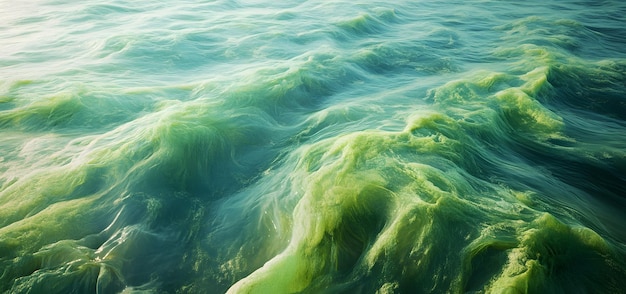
<point x="248" y="146"/>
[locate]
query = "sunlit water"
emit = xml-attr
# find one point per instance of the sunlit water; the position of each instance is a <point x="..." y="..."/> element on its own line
<point x="312" y="146"/>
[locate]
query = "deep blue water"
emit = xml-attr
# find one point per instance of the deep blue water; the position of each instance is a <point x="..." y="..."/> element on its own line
<point x="312" y="146"/>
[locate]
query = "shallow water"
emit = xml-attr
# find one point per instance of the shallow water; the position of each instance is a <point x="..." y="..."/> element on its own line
<point x="313" y="146"/>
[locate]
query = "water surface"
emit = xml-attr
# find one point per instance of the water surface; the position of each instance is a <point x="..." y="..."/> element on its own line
<point x="312" y="146"/>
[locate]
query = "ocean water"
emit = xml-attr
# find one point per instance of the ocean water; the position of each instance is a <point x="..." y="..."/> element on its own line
<point x="312" y="146"/>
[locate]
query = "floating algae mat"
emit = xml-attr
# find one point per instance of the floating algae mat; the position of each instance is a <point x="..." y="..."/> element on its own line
<point x="313" y="147"/>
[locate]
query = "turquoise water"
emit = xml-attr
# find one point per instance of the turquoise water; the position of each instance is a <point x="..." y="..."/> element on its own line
<point x="312" y="146"/>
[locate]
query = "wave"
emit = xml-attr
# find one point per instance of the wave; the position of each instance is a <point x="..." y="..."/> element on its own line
<point x="387" y="150"/>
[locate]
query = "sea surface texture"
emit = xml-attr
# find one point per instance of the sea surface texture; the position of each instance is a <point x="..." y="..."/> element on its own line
<point x="312" y="146"/>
